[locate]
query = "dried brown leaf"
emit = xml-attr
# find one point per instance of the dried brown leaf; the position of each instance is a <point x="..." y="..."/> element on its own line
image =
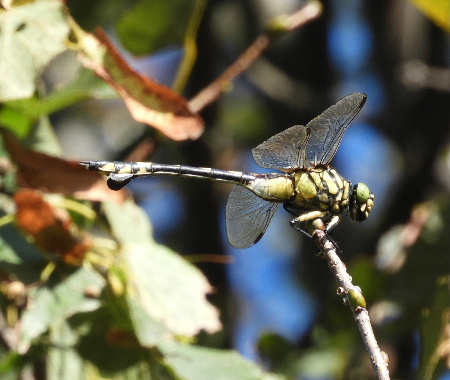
<point x="50" y="174"/>
<point x="148" y="101"/>
<point x="51" y="230"/>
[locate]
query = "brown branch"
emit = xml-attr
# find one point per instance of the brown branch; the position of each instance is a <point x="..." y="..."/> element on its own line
<point x="279" y="26"/>
<point x="355" y="300"/>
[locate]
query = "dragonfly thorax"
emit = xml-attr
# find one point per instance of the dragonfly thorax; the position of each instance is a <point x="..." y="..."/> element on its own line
<point x="321" y="188"/>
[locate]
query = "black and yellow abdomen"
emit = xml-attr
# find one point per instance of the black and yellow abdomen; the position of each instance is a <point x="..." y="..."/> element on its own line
<point x="321" y="188"/>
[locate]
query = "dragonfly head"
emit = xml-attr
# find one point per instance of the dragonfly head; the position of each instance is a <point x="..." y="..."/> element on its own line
<point x="361" y="202"/>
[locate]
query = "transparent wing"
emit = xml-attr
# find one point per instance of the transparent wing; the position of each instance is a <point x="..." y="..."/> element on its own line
<point x="328" y="128"/>
<point x="285" y="150"/>
<point x="248" y="217"/>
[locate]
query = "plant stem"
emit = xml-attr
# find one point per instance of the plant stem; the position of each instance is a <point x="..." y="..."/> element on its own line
<point x="328" y="250"/>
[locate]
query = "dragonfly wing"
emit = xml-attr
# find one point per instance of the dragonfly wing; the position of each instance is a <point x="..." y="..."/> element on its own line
<point x="248" y="217"/>
<point x="328" y="128"/>
<point x="285" y="150"/>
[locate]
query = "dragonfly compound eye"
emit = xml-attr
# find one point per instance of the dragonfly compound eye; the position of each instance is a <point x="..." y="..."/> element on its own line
<point x="361" y="202"/>
<point x="362" y="193"/>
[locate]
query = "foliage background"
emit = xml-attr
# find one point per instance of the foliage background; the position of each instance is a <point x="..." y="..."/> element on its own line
<point x="278" y="289"/>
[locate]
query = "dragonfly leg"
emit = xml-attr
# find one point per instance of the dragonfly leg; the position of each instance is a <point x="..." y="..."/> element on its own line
<point x="296" y="222"/>
<point x="332" y="223"/>
<point x="319" y="224"/>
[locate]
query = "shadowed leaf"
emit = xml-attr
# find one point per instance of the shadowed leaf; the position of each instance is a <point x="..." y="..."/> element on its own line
<point x="56" y="301"/>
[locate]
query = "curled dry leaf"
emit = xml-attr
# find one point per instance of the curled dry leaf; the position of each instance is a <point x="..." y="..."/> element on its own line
<point x="149" y="102"/>
<point x="50" y="229"/>
<point x="40" y="171"/>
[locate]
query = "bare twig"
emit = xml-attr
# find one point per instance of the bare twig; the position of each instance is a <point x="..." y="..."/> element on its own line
<point x="279" y="26"/>
<point x="355" y="300"/>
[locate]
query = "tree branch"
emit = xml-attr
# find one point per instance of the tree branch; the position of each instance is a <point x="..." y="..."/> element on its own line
<point x="277" y="27"/>
<point x="354" y="299"/>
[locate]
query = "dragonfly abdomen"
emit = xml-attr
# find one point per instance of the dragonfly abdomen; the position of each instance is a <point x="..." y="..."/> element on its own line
<point x="137" y="169"/>
<point x="273" y="187"/>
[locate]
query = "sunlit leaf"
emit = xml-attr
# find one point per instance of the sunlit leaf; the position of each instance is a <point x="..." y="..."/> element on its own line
<point x="30" y="36"/>
<point x="148" y="330"/>
<point x="57" y="301"/>
<point x="50" y="229"/>
<point x="164" y="285"/>
<point x="170" y="289"/>
<point x="436" y="10"/>
<point x="54" y="175"/>
<point x="129" y="224"/>
<point x="148" y="101"/>
<point x="197" y="363"/>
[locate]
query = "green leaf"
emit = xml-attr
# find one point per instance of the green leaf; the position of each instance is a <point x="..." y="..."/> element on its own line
<point x="30" y="36"/>
<point x="56" y="301"/>
<point x="170" y="290"/>
<point x="128" y="222"/>
<point x="106" y="346"/>
<point x="86" y="85"/>
<point x="197" y="363"/>
<point x="63" y="361"/>
<point x="147" y="329"/>
<point x="11" y="365"/>
<point x="153" y="25"/>
<point x="15" y="120"/>
<point x="20" y="115"/>
<point x="18" y="256"/>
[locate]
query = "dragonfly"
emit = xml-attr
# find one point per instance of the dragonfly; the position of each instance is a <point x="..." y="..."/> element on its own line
<point x="305" y="184"/>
